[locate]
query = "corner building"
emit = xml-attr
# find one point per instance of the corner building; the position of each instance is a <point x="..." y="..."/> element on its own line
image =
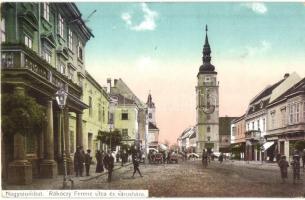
<point x="207" y="104"/>
<point x="42" y="50"/>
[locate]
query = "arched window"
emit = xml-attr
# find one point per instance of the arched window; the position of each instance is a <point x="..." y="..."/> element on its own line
<point x="208" y="129"/>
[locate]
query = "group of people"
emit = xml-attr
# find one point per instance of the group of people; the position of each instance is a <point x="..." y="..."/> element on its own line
<point x="103" y="161"/>
<point x="80" y="159"/>
<point x="296" y="166"/>
<point x="206" y="157"/>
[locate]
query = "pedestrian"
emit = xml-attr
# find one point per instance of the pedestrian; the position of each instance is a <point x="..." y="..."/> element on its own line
<point x="99" y="162"/>
<point x="78" y="162"/>
<point x="296" y="166"/>
<point x="220" y="158"/>
<point x="136" y="163"/>
<point x="283" y="164"/>
<point x="303" y="159"/>
<point x="109" y="163"/>
<point x="204" y="159"/>
<point x="88" y="160"/>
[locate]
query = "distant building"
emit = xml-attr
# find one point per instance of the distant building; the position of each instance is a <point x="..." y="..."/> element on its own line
<point x="225" y="133"/>
<point x="187" y="140"/>
<point x="130" y="114"/>
<point x="153" y="130"/>
<point x="238" y="141"/>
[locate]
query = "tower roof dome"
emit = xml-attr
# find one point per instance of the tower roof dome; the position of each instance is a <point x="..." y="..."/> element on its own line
<point x="206" y="67"/>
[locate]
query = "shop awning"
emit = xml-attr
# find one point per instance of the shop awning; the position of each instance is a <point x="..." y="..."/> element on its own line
<point x="267" y="145"/>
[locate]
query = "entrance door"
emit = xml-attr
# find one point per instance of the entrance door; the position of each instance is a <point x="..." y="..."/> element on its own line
<point x="282" y="147"/>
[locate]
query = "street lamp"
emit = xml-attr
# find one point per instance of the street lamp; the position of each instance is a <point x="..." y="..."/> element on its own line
<point x="61" y="98"/>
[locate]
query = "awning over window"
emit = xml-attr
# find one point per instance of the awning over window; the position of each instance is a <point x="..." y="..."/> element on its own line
<point x="267" y="145"/>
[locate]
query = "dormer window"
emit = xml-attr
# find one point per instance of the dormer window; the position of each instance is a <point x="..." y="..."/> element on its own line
<point x="253" y="108"/>
<point x="261" y="104"/>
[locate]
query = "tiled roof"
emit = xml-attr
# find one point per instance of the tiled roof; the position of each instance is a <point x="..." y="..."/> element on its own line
<point x="299" y="87"/>
<point x="267" y="91"/>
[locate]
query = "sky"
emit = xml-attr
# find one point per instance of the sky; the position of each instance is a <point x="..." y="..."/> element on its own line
<point x="157" y="47"/>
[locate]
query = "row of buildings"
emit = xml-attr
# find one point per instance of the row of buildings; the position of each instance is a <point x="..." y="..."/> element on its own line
<point x="43" y="50"/>
<point x="273" y="123"/>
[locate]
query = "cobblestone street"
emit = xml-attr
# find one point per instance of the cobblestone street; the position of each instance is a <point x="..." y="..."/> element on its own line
<point x="189" y="179"/>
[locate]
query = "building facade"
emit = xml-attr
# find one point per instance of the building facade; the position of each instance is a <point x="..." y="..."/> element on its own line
<point x="225" y="133"/>
<point x="286" y="120"/>
<point x="207" y="104"/>
<point x="238" y="141"/>
<point x="256" y="119"/>
<point x="42" y="50"/>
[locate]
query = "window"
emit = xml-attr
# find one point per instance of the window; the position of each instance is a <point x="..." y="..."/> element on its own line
<point x="124" y="116"/>
<point x="80" y="51"/>
<point x="99" y="112"/>
<point x="264" y="124"/>
<point x="70" y="73"/>
<point x="252" y="125"/>
<point x="70" y="40"/>
<point x="149" y="115"/>
<point x="3" y="30"/>
<point x="258" y="128"/>
<point x="124" y="133"/>
<point x="290" y="114"/>
<point x="47" y="56"/>
<point x="60" y="26"/>
<point x="62" y="68"/>
<point x="297" y="112"/>
<point x="28" y="41"/>
<point x="103" y="114"/>
<point x="90" y="106"/>
<point x="233" y="131"/>
<point x="272" y="115"/>
<point x="46" y="11"/>
<point x="283" y="116"/>
<point x="208" y="129"/>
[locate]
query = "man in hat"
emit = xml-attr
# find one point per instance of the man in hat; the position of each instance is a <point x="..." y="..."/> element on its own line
<point x="283" y="164"/>
<point x="296" y="166"/>
<point x="109" y="164"/>
<point x="78" y="161"/>
<point x="88" y="160"/>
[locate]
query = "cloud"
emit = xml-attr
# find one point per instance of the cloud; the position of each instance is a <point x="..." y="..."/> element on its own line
<point x="148" y="23"/>
<point x="259" y="8"/>
<point x="261" y="48"/>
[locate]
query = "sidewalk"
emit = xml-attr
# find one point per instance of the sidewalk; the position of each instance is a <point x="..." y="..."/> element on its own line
<point x="57" y="182"/>
<point x="253" y="164"/>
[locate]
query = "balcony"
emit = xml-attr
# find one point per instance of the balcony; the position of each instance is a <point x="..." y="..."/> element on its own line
<point x="21" y="60"/>
<point x="253" y="135"/>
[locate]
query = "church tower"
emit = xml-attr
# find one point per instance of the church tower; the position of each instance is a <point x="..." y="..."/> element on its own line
<point x="151" y="110"/>
<point x="207" y="103"/>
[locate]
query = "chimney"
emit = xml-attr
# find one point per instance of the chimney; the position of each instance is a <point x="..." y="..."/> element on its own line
<point x="286" y="75"/>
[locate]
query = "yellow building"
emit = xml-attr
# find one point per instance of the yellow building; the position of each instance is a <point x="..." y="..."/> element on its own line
<point x="95" y="118"/>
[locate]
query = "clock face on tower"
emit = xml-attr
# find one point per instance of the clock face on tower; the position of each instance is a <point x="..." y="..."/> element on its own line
<point x="207" y="103"/>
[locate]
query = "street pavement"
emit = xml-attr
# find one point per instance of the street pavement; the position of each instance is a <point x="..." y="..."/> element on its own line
<point x="190" y="179"/>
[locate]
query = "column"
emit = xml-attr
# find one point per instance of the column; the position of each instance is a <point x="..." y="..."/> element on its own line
<point x="48" y="166"/>
<point x="79" y="129"/>
<point x="59" y="134"/>
<point x="67" y="141"/>
<point x="19" y="170"/>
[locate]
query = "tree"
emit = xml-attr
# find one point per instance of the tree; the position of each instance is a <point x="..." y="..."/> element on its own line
<point x="299" y="145"/>
<point x="107" y="137"/>
<point x="21" y="113"/>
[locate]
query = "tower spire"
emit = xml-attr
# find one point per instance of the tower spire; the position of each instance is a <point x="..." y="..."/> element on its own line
<point x="206" y="58"/>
